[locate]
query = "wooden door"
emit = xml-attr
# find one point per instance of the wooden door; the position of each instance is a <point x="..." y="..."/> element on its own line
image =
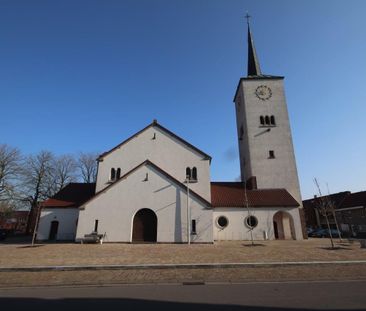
<point x="144" y="226"/>
<point x="53" y="230"/>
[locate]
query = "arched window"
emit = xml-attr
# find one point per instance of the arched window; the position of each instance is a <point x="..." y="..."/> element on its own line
<point x="118" y="173"/>
<point x="267" y="120"/>
<point x="188" y="173"/>
<point x="273" y="122"/>
<point x="113" y="174"/>
<point x="194" y="173"/>
<point x="261" y="118"/>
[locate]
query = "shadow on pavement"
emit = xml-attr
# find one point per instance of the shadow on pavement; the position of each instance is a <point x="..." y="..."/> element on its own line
<point x="123" y="304"/>
<point x="336" y="248"/>
<point x="253" y="245"/>
<point x="31" y="246"/>
<point x="17" y="239"/>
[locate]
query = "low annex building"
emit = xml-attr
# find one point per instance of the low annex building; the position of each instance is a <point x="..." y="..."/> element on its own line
<point x="156" y="186"/>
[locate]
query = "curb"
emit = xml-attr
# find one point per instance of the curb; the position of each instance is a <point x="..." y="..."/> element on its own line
<point x="180" y="266"/>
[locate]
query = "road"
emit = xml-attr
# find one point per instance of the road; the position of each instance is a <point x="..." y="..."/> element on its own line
<point x="339" y="295"/>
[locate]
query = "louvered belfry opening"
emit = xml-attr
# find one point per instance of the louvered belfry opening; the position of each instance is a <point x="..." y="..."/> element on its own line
<point x="144" y="226"/>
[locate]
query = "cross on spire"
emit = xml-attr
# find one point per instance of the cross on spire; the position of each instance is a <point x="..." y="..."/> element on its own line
<point x="253" y="62"/>
<point x="247" y="16"/>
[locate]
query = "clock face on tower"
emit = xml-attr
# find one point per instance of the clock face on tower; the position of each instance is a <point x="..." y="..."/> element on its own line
<point x="263" y="92"/>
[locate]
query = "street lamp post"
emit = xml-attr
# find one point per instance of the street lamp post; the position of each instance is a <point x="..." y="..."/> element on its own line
<point x="188" y="216"/>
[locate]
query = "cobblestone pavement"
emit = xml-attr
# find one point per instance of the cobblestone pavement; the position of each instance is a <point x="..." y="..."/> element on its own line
<point x="16" y="255"/>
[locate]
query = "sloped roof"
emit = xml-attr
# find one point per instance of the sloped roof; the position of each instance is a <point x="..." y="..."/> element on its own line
<point x="156" y="124"/>
<point x="232" y="194"/>
<point x="72" y="195"/>
<point x="355" y="199"/>
<point x="148" y="162"/>
<point x="337" y="200"/>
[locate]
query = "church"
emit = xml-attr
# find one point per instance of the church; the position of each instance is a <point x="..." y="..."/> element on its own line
<point x="156" y="187"/>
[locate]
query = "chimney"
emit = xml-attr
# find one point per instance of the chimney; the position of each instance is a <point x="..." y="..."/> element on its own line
<point x="251" y="183"/>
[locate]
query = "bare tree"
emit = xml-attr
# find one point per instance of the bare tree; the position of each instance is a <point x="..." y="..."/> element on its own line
<point x="325" y="208"/>
<point x="37" y="182"/>
<point x="64" y="169"/>
<point x="6" y="209"/>
<point x="9" y="170"/>
<point x="87" y="166"/>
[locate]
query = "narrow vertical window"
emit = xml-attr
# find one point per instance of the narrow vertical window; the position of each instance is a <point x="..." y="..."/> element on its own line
<point x="267" y="120"/>
<point x="188" y="173"/>
<point x="96" y="225"/>
<point x="194" y="173"/>
<point x="113" y="174"/>
<point x="261" y="118"/>
<point x="118" y="173"/>
<point x="193" y="226"/>
<point x="273" y="122"/>
<point x="271" y="154"/>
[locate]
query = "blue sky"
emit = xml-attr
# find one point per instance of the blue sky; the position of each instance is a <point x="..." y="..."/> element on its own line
<point x="85" y="75"/>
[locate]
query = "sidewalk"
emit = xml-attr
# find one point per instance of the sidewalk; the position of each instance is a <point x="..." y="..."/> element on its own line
<point x="90" y="264"/>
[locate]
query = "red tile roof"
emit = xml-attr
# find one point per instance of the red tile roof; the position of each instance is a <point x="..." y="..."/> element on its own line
<point x="57" y="203"/>
<point x="232" y="194"/>
<point x="72" y="195"/>
<point x="223" y="194"/>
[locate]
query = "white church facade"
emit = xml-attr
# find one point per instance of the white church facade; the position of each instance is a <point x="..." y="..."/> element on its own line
<point x="156" y="187"/>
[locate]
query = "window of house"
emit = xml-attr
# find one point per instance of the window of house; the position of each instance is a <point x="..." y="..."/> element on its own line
<point x="193" y="227"/>
<point x="113" y="174"/>
<point x="267" y="121"/>
<point x="118" y="173"/>
<point x="96" y="225"/>
<point x="271" y="154"/>
<point x="261" y="119"/>
<point x="188" y="173"/>
<point x="194" y="173"/>
<point x="273" y="122"/>
<point x="222" y="222"/>
<point x="251" y="221"/>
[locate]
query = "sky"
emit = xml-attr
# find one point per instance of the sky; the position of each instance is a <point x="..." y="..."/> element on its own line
<point x="84" y="75"/>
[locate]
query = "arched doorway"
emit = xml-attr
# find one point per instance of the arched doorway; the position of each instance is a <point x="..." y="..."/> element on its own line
<point x="283" y="226"/>
<point x="145" y="225"/>
<point x="53" y="230"/>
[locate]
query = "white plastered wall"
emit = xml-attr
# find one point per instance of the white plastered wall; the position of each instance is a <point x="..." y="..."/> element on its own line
<point x="237" y="230"/>
<point x="67" y="221"/>
<point x="162" y="149"/>
<point x="115" y="207"/>
<point x="281" y="171"/>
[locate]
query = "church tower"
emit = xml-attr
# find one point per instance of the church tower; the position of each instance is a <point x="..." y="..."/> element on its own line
<point x="266" y="151"/>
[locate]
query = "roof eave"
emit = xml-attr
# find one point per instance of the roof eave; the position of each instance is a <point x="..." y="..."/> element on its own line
<point x="155" y="123"/>
<point x="146" y="162"/>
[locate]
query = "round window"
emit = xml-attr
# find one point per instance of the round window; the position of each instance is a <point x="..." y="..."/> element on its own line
<point x="251" y="221"/>
<point x="222" y="222"/>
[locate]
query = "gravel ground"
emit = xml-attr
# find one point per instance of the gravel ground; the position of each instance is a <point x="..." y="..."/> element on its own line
<point x="21" y="255"/>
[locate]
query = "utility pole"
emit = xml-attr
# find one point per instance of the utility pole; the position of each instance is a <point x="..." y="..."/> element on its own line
<point x="188" y="216"/>
<point x="247" y="206"/>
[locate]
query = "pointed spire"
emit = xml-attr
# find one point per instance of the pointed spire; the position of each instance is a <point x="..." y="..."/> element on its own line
<point x="253" y="62"/>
